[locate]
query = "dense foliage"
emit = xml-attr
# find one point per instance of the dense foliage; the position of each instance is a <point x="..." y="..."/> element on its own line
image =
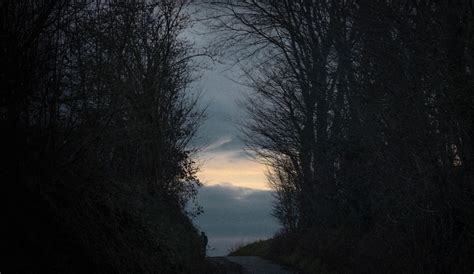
<point x="364" y="112"/>
<point x="96" y="117"/>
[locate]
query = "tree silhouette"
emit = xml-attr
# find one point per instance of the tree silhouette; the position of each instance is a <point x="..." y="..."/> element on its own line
<point x="357" y="111"/>
<point x="98" y="116"/>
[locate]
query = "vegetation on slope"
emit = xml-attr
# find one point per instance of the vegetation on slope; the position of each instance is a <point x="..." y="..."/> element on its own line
<point x="363" y="112"/>
<point x="97" y="117"/>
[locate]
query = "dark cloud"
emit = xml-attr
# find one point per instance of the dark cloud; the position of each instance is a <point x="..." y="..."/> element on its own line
<point x="220" y="90"/>
<point x="220" y="95"/>
<point x="233" y="215"/>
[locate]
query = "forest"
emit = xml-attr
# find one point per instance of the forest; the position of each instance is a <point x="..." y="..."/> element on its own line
<point x="363" y="112"/>
<point x="97" y="116"/>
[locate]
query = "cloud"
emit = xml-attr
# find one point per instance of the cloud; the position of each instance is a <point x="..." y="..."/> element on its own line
<point x="217" y="144"/>
<point x="234" y="215"/>
<point x="231" y="166"/>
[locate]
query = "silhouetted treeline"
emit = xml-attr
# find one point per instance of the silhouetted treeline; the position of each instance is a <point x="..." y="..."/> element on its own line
<point x="364" y="110"/>
<point x="96" y="117"/>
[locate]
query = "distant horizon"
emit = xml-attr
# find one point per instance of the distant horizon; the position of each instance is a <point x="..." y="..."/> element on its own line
<point x="234" y="215"/>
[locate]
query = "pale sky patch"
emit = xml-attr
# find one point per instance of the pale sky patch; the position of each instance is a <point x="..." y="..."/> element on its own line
<point x="231" y="166"/>
<point x="217" y="144"/>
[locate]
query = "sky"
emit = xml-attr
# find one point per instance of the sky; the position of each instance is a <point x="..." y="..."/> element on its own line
<point x="224" y="158"/>
<point x="234" y="215"/>
<point x="236" y="199"/>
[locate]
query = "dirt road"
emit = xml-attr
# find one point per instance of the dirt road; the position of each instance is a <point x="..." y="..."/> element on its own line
<point x="249" y="265"/>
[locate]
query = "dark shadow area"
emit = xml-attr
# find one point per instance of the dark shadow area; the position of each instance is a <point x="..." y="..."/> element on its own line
<point x="363" y="111"/>
<point x="96" y="118"/>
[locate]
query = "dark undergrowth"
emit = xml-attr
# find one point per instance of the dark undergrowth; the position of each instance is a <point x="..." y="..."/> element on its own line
<point x="337" y="251"/>
<point x="75" y="225"/>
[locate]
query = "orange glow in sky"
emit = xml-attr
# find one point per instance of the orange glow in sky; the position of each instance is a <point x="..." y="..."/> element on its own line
<point x="229" y="167"/>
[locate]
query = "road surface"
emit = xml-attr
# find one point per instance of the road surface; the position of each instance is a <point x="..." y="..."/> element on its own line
<point x="253" y="264"/>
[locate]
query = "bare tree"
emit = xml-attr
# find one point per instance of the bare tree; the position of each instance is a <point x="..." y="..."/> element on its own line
<point x="356" y="111"/>
<point x="98" y="115"/>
